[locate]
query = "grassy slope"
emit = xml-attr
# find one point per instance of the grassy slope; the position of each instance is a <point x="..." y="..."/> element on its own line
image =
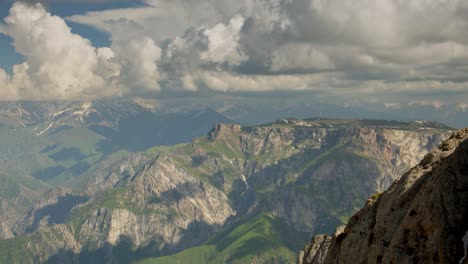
<point x="20" y="249"/>
<point x="260" y="238"/>
<point x="15" y="250"/>
<point x="26" y="152"/>
<point x="27" y="158"/>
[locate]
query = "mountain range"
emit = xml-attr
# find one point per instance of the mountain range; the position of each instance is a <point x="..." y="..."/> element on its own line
<point x="45" y="145"/>
<point x="258" y="109"/>
<point x="242" y="193"/>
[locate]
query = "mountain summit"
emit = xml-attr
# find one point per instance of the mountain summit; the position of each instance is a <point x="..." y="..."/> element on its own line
<point x="421" y="218"/>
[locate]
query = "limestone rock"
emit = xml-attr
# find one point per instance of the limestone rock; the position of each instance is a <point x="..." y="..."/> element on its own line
<point x="5" y="232"/>
<point x="421" y="218"/>
<point x="315" y="252"/>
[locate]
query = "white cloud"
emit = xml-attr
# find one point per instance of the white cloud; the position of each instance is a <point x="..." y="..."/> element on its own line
<point x="145" y="72"/>
<point x="6" y="90"/>
<point x="462" y="106"/>
<point x="223" y="44"/>
<point x="437" y="104"/>
<point x="137" y="56"/>
<point x="63" y="65"/>
<point x="392" y="40"/>
<point x="392" y="105"/>
<point x="189" y="84"/>
<point x="162" y="19"/>
<point x="59" y="64"/>
<point x="223" y="81"/>
<point x="268" y="15"/>
<point x="105" y="20"/>
<point x="297" y="57"/>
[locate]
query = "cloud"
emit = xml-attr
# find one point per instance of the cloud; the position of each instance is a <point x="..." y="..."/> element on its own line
<point x="137" y="56"/>
<point x="437" y="104"/>
<point x="161" y="19"/>
<point x="463" y="107"/>
<point x="223" y="43"/>
<point x="392" y="105"/>
<point x="297" y="57"/>
<point x="347" y="48"/>
<point x="182" y="58"/>
<point x="59" y="64"/>
<point x="138" y="59"/>
<point x="7" y="92"/>
<point x="63" y="65"/>
<point x="223" y="81"/>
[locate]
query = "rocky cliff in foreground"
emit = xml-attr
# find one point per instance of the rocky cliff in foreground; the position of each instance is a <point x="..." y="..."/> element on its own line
<point x="421" y="218"/>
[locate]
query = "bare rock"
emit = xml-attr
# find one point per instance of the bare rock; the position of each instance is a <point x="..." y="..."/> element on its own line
<point x="421" y="218"/>
<point x="315" y="252"/>
<point x="5" y="232"/>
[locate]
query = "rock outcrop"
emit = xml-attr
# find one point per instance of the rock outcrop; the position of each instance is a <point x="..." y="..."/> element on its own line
<point x="163" y="205"/>
<point x="316" y="251"/>
<point x="5" y="232"/>
<point x="421" y="218"/>
<point x="57" y="242"/>
<point x="53" y="209"/>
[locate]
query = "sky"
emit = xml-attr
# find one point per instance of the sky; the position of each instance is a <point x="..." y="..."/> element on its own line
<point x="391" y="52"/>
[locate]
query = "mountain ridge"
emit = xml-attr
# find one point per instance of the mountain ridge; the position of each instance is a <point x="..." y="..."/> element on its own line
<point x="421" y="218"/>
<point x="167" y="199"/>
<point x="48" y="145"/>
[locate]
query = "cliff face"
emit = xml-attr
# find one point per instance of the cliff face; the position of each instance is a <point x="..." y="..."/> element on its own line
<point x="310" y="176"/>
<point x="421" y="218"/>
<point x="162" y="204"/>
<point x="5" y="231"/>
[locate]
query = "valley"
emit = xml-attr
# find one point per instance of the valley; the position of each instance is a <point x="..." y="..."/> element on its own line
<point x="212" y="199"/>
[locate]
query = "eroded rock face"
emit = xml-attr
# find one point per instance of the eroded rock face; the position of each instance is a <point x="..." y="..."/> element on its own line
<point x="166" y="199"/>
<point x="5" y="231"/>
<point x="175" y="205"/>
<point x="316" y="251"/>
<point x="421" y="218"/>
<point x="53" y="209"/>
<point x="57" y="242"/>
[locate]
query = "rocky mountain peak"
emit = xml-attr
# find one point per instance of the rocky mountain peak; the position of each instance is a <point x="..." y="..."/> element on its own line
<point x="421" y="218"/>
<point x="221" y="131"/>
<point x="454" y="141"/>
